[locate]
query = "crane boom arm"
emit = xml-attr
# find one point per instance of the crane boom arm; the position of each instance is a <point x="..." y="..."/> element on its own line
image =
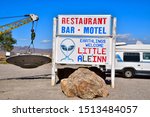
<point x="8" y="27"/>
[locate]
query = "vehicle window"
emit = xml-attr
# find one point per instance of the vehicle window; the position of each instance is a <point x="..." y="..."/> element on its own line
<point x="131" y="57"/>
<point x="146" y="56"/>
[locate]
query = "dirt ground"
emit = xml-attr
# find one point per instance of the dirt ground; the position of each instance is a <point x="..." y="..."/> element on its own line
<point x="34" y="84"/>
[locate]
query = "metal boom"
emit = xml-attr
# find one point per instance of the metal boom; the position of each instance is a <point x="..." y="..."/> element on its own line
<point x="8" y="27"/>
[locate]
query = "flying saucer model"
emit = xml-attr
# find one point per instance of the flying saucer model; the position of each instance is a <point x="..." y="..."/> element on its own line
<point x="28" y="60"/>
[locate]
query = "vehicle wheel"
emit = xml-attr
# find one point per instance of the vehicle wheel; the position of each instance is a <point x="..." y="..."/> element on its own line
<point x="128" y="73"/>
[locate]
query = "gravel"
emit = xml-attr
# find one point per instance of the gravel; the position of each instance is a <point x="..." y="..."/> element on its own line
<point x="30" y="84"/>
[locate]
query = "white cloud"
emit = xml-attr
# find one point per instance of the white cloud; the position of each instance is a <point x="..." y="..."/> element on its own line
<point x="139" y="42"/>
<point x="22" y="39"/>
<point x="123" y="36"/>
<point x="127" y="38"/>
<point x="45" y="41"/>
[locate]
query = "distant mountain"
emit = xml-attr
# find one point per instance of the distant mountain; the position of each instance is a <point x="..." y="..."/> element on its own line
<point x="19" y="49"/>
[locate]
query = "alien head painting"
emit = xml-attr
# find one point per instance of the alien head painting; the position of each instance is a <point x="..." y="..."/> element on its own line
<point x="67" y="47"/>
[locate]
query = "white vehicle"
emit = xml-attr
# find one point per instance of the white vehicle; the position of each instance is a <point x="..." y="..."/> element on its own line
<point x="132" y="60"/>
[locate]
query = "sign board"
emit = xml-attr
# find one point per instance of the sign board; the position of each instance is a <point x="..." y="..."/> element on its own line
<point x="84" y="25"/>
<point x="84" y="39"/>
<point x="83" y="50"/>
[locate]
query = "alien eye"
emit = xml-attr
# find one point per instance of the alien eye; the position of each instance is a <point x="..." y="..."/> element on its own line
<point x="64" y="47"/>
<point x="70" y="47"/>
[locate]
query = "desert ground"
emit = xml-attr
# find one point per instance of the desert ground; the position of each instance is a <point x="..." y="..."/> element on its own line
<point x="35" y="84"/>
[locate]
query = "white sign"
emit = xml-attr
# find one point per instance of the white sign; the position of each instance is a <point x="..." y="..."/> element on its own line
<point x="83" y="50"/>
<point x="84" y="25"/>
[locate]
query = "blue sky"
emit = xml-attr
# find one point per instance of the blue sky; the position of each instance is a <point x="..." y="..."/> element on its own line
<point x="133" y="17"/>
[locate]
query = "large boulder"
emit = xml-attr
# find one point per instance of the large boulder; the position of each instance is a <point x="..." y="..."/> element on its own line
<point x="85" y="84"/>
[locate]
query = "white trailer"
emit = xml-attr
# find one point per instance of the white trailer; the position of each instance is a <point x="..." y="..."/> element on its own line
<point x="132" y="60"/>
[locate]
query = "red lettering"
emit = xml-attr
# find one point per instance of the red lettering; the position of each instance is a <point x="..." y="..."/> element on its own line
<point x="63" y="20"/>
<point x="84" y="51"/>
<point x="94" y="57"/>
<point x="67" y="20"/>
<point x="89" y="50"/>
<point x="101" y="59"/>
<point x="99" y="20"/>
<point x="104" y="51"/>
<point x="105" y="20"/>
<point x="94" y="50"/>
<point x="102" y="20"/>
<point x="80" y="21"/>
<point x="98" y="51"/>
<point x="76" y="22"/>
<point x="104" y="59"/>
<point x="72" y="20"/>
<point x="94" y="21"/>
<point x="98" y="58"/>
<point x="79" y="51"/>
<point x="89" y="20"/>
<point x="85" y="20"/>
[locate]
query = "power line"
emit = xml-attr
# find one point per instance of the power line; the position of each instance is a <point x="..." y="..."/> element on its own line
<point x="12" y="17"/>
